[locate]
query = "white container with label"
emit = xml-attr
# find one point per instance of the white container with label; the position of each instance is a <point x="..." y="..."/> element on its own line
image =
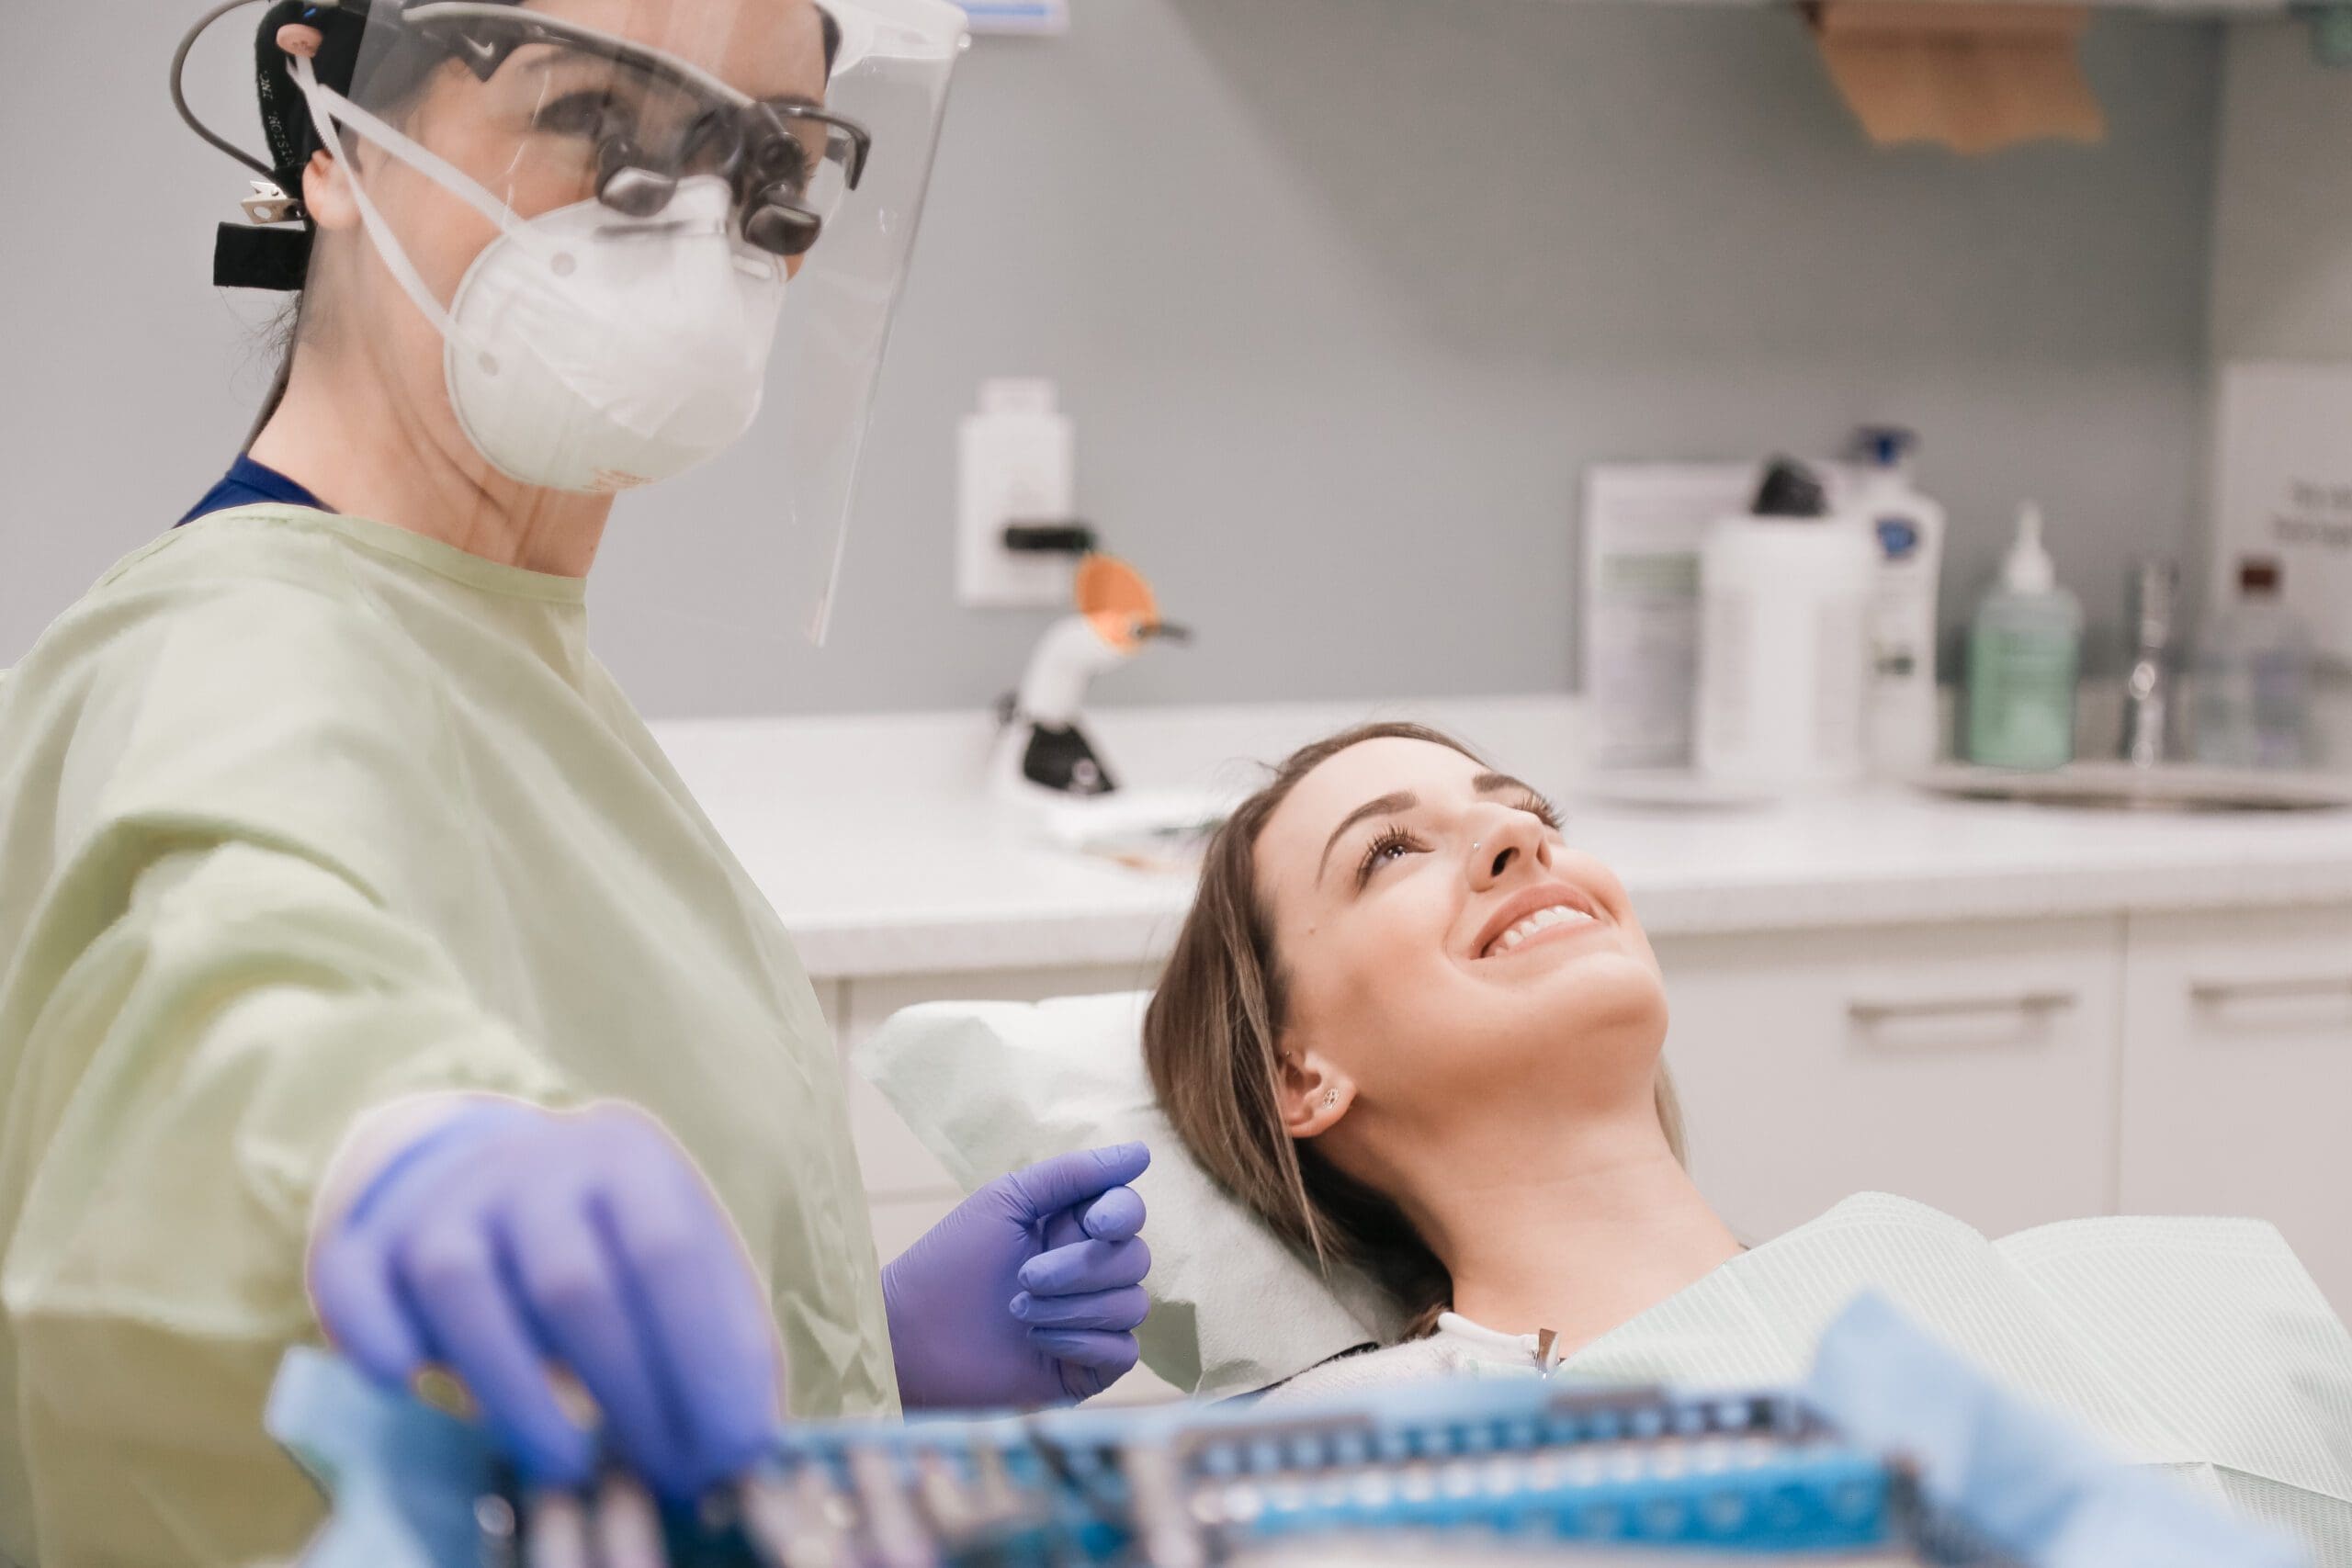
<point x="1784" y="647"/>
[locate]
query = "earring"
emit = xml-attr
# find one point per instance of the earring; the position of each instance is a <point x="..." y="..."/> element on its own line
<point x="1330" y="1097"/>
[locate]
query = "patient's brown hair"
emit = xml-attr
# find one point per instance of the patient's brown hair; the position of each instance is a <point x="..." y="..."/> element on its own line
<point x="1212" y="1040"/>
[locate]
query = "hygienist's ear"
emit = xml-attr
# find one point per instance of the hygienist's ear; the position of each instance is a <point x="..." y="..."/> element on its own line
<point x="1313" y="1094"/>
<point x="326" y="193"/>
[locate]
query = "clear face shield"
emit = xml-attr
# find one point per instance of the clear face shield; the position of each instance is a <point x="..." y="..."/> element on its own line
<point x="658" y="241"/>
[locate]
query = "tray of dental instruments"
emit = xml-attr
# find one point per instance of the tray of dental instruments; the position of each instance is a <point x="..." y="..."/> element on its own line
<point x="1470" y="1473"/>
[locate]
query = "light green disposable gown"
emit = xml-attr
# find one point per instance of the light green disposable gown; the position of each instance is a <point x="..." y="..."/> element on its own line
<point x="299" y="813"/>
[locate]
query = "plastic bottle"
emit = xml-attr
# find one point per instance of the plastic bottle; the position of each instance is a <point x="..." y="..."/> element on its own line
<point x="2024" y="656"/>
<point x="2253" y="701"/>
<point x="1909" y="530"/>
<point x="1783" y="645"/>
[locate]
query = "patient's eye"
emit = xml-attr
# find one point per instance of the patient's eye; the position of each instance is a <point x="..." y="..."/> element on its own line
<point x="1542" y="810"/>
<point x="1393" y="844"/>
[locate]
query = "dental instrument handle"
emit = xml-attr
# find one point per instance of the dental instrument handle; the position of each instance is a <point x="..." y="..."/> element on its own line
<point x="628" y="1526"/>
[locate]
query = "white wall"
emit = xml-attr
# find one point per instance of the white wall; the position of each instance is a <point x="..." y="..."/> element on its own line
<point x="1343" y="293"/>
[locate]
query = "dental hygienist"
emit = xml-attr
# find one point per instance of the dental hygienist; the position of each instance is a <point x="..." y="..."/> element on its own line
<point x="367" y="968"/>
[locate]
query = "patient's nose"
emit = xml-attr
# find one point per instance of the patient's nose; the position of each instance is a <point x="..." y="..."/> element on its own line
<point x="1507" y="841"/>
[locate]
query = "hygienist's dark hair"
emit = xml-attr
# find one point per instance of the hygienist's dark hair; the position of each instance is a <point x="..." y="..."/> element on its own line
<point x="1213" y="1042"/>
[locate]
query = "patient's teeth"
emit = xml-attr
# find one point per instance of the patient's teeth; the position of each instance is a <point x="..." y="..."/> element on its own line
<point x="1541" y="919"/>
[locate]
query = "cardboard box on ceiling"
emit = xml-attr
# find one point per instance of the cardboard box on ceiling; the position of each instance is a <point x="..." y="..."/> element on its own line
<point x="1973" y="75"/>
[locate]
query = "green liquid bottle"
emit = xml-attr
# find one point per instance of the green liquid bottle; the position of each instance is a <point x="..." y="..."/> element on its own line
<point x="2025" y="654"/>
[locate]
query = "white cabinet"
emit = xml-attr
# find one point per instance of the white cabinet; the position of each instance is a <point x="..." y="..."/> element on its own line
<point x="1969" y="1067"/>
<point x="2237" y="1075"/>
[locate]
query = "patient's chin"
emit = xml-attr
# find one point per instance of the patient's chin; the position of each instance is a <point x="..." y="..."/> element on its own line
<point x="1610" y="993"/>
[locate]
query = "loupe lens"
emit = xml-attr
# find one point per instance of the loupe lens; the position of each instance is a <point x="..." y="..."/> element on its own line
<point x="637" y="193"/>
<point x="779" y="225"/>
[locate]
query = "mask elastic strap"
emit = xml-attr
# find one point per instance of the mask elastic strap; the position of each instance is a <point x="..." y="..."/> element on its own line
<point x="329" y="110"/>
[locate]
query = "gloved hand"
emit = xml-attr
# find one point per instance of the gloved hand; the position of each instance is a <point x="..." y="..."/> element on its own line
<point x="2023" y="1477"/>
<point x="504" y="1237"/>
<point x="1028" y="1293"/>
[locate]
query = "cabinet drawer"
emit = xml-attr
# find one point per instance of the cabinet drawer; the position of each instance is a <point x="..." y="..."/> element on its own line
<point x="1969" y="1066"/>
<point x="894" y="1161"/>
<point x="2237" y="1075"/>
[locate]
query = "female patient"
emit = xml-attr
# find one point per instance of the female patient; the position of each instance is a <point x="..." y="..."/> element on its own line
<point x="1413" y="1029"/>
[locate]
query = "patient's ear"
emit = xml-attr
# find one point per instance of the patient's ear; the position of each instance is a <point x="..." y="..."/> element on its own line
<point x="1313" y="1093"/>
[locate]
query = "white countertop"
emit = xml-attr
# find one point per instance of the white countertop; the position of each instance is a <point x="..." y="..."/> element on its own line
<point x="877" y="843"/>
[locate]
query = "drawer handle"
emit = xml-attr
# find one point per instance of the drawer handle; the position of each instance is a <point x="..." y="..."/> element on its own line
<point x="2032" y="1003"/>
<point x="2220" y="993"/>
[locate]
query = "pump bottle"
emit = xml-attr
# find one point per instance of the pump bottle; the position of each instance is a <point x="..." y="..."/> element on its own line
<point x="1908" y="528"/>
<point x="2024" y="658"/>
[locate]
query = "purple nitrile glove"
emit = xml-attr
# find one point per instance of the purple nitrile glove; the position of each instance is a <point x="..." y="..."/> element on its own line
<point x="504" y="1238"/>
<point x="1029" y="1293"/>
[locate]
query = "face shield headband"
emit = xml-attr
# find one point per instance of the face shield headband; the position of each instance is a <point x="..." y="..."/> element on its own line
<point x="787" y="161"/>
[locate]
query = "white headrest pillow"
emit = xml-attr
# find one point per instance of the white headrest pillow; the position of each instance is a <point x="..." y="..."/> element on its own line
<point x="990" y="1086"/>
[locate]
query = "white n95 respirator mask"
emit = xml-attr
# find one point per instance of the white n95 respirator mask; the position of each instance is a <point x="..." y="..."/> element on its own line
<point x="587" y="350"/>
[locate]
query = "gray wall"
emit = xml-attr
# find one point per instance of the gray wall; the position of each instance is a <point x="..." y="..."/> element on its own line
<point x="1343" y="294"/>
<point x="2282" y="220"/>
<point x="2282" y="251"/>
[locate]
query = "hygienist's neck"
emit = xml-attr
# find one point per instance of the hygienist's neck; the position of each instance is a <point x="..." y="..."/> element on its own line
<point x="338" y="436"/>
<point x="1596" y="1225"/>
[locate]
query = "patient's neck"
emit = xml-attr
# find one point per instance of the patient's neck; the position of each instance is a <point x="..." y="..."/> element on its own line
<point x="1575" y="1232"/>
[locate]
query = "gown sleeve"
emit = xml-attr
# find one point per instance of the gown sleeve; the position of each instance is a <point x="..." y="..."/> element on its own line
<point x="230" y="896"/>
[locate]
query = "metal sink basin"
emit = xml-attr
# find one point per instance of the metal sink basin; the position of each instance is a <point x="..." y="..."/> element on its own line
<point x="2120" y="787"/>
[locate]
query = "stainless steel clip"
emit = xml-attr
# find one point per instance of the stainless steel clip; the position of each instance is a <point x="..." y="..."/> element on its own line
<point x="267" y="204"/>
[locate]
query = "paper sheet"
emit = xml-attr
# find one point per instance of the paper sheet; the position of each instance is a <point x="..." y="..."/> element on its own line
<point x="2198" y="1345"/>
<point x="1642" y="524"/>
<point x="2283" y="488"/>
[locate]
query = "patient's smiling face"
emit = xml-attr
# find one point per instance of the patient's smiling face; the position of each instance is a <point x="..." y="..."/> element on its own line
<point x="1440" y="944"/>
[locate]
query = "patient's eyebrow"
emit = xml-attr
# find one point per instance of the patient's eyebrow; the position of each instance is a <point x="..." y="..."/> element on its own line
<point x="1502" y="783"/>
<point x="1403" y="800"/>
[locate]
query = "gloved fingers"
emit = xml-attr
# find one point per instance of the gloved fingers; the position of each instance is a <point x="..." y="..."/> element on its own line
<point x="1117" y="1311"/>
<point x="1089" y="1361"/>
<point x="1059" y="1231"/>
<point x="1087" y="1265"/>
<point x="352" y="1292"/>
<point x="449" y="1273"/>
<point x="705" y="1319"/>
<point x="1067" y="1180"/>
<point x="573" y="1290"/>
<point x="1114" y="1216"/>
